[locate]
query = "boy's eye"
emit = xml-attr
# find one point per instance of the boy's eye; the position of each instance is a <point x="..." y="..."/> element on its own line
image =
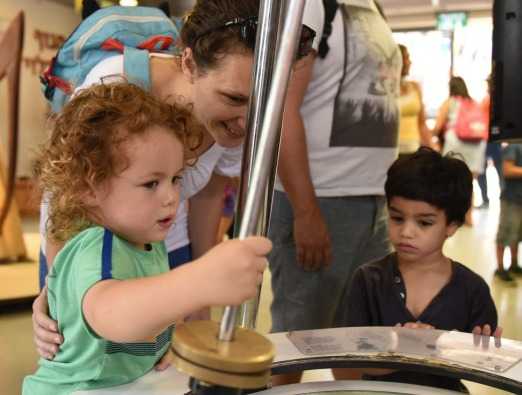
<point x="237" y="100"/>
<point x="425" y="223"/>
<point x="395" y="218"/>
<point x="151" y="184"/>
<point x="176" y="179"/>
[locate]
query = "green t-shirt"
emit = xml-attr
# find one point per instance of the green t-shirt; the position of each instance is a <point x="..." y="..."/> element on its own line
<point x="86" y="361"/>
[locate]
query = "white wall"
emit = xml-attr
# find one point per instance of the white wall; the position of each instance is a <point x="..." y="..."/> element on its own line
<point x="40" y="16"/>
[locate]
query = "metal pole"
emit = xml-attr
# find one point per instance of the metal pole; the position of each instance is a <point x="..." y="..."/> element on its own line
<point x="270" y="134"/>
<point x="271" y="23"/>
<point x="269" y="16"/>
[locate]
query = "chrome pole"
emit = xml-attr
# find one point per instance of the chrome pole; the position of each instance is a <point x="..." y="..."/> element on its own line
<point x="271" y="17"/>
<point x="270" y="134"/>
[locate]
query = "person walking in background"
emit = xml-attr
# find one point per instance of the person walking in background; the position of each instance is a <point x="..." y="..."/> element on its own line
<point x="493" y="152"/>
<point x="453" y="122"/>
<point x="510" y="224"/>
<point x="413" y="131"/>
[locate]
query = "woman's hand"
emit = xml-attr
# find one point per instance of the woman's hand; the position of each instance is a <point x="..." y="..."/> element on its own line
<point x="45" y="330"/>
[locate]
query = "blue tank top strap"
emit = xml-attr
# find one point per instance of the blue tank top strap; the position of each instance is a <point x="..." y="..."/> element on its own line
<point x="107" y="255"/>
<point x="180" y="256"/>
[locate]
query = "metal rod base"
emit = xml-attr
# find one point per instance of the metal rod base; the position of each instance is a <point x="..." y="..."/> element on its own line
<point x="243" y="363"/>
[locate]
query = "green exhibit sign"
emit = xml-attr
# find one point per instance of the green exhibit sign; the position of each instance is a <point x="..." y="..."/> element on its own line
<point x="451" y="20"/>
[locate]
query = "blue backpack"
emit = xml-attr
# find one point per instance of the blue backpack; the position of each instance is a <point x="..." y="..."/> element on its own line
<point x="131" y="31"/>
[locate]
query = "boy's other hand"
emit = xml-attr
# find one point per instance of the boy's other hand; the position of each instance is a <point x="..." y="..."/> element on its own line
<point x="312" y="240"/>
<point x="234" y="270"/>
<point x="486" y="331"/>
<point x="45" y="330"/>
<point x="415" y="325"/>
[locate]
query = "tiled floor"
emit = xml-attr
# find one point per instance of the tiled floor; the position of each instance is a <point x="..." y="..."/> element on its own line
<point x="471" y="246"/>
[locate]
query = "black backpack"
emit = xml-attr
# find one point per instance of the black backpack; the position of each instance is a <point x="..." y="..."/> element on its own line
<point x="330" y="8"/>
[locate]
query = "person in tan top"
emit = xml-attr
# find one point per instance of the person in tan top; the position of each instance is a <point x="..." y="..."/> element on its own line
<point x="413" y="131"/>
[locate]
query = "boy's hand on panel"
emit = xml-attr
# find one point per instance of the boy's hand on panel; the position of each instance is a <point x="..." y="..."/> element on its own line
<point x="486" y="331"/>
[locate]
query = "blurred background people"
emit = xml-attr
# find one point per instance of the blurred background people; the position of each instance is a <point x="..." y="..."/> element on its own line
<point x="509" y="232"/>
<point x="493" y="153"/>
<point x="413" y="131"/>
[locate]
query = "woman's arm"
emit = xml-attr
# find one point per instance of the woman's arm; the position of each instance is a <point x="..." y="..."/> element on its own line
<point x="45" y="330"/>
<point x="442" y="118"/>
<point x="425" y="133"/>
<point x="205" y="210"/>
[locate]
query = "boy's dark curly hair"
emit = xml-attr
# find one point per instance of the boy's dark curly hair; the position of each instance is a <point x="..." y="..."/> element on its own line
<point x="442" y="181"/>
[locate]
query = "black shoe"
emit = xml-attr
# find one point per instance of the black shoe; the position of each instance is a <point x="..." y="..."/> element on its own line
<point x="484" y="205"/>
<point x="516" y="270"/>
<point x="504" y="276"/>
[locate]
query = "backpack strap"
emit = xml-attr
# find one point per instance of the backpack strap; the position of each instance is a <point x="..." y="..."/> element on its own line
<point x="136" y="67"/>
<point x="330" y="8"/>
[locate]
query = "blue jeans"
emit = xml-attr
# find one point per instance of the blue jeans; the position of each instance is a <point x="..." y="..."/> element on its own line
<point x="358" y="228"/>
<point x="493" y="151"/>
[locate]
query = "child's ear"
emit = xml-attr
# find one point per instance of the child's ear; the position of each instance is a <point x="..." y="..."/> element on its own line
<point x="188" y="65"/>
<point x="91" y="196"/>
<point x="451" y="229"/>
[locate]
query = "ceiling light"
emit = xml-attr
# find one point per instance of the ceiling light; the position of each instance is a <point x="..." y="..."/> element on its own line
<point x="128" y="3"/>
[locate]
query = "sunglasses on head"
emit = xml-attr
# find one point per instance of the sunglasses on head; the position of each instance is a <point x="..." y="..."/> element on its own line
<point x="248" y="31"/>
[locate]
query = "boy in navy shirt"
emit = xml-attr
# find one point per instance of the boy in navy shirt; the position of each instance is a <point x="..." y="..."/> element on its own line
<point x="417" y="286"/>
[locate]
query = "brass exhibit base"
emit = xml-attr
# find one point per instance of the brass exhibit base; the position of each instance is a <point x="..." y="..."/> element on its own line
<point x="243" y="363"/>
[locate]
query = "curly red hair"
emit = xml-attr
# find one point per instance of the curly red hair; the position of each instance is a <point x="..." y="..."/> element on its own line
<point x="83" y="148"/>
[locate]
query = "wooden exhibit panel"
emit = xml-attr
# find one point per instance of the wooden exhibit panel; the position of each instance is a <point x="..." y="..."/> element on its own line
<point x="12" y="246"/>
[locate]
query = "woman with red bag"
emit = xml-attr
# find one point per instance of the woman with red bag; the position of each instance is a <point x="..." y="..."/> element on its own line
<point x="465" y="129"/>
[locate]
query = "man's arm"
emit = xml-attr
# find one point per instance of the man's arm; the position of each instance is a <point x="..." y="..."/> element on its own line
<point x="310" y="231"/>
